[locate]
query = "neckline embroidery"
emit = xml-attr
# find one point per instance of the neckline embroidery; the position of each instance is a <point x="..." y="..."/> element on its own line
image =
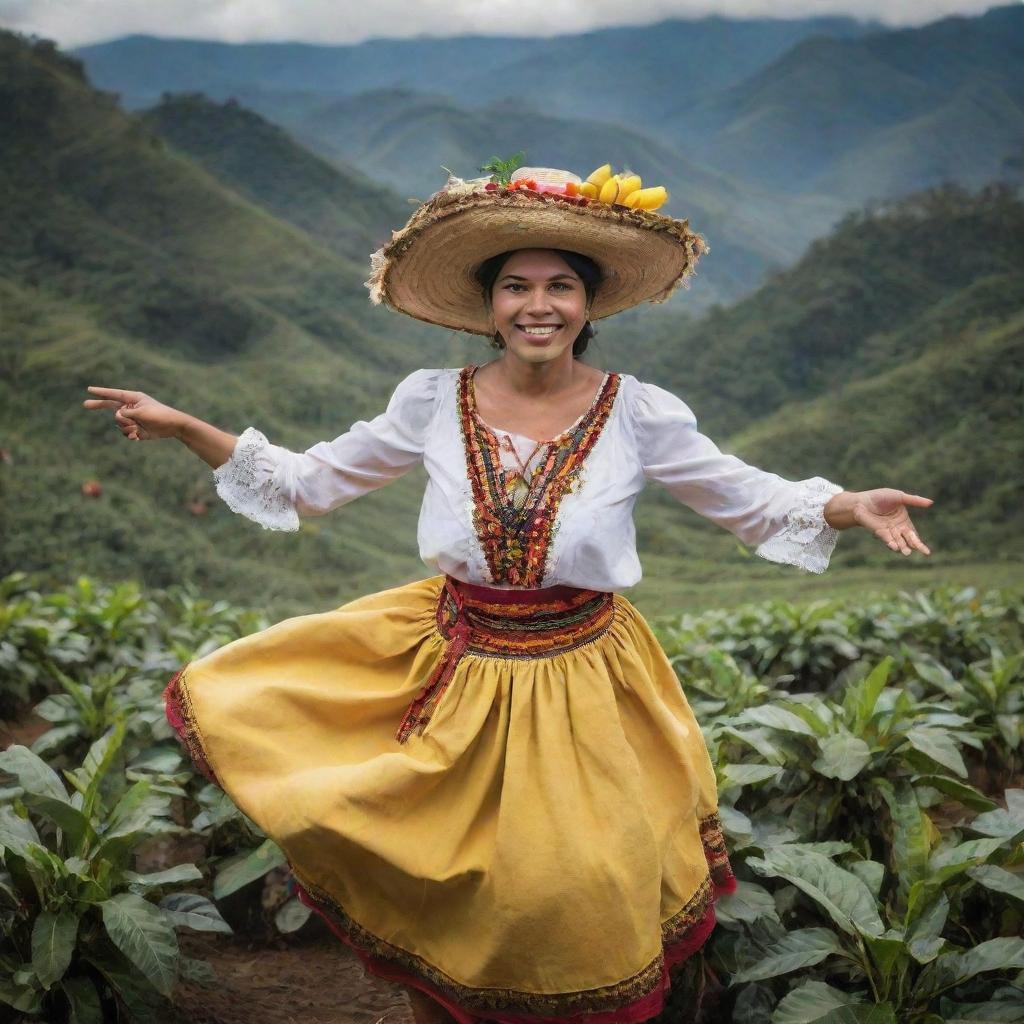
<point x="515" y="524"/>
<point x="471" y="394"/>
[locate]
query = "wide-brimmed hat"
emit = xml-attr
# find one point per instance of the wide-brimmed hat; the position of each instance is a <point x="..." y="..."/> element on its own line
<point x="427" y="270"/>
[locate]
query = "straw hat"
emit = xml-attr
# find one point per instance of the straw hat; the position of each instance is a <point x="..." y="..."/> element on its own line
<point x="427" y="269"/>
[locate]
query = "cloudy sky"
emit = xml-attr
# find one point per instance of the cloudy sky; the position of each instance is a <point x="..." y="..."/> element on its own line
<point x="75" y="22"/>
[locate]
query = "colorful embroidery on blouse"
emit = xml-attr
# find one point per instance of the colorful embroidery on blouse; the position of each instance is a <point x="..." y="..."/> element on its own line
<point x="515" y="519"/>
<point x="560" y="620"/>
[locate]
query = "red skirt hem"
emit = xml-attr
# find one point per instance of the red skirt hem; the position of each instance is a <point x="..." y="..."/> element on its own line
<point x="636" y="1012"/>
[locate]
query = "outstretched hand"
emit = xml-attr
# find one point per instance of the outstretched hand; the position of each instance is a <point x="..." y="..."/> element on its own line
<point x="138" y="416"/>
<point x="883" y="511"/>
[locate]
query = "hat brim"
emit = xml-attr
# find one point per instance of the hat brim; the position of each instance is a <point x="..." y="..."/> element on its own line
<point x="427" y="269"/>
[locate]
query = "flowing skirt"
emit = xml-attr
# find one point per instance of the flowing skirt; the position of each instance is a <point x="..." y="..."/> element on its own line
<point x="499" y="798"/>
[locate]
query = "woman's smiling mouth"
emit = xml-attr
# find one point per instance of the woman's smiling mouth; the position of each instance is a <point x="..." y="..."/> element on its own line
<point x="539" y="330"/>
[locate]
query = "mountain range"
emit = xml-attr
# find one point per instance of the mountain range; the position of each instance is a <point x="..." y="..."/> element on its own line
<point x="200" y="253"/>
<point x="765" y="131"/>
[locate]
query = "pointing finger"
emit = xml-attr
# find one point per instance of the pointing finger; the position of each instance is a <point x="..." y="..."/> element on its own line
<point x="117" y="393"/>
<point x="915" y="499"/>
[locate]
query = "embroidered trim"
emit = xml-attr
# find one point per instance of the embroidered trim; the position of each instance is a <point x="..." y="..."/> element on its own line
<point x="682" y="935"/>
<point x="499" y="628"/>
<point x="247" y="490"/>
<point x="717" y="854"/>
<point x="805" y="540"/>
<point x="182" y="719"/>
<point x="516" y="534"/>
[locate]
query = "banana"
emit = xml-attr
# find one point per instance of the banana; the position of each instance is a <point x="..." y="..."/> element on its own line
<point x="600" y="176"/>
<point x="610" y="190"/>
<point x="630" y="184"/>
<point x="588" y="190"/>
<point x="649" y="198"/>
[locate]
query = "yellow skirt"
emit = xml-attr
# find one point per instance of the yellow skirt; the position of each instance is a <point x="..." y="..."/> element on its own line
<point x="500" y="798"/>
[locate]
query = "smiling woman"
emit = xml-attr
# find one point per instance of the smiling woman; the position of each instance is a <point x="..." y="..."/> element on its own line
<point x="489" y="782"/>
<point x="568" y="280"/>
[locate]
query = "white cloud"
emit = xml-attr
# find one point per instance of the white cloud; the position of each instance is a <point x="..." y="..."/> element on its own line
<point x="77" y="22"/>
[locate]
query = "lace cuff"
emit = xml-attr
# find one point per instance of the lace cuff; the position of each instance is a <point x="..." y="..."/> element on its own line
<point x="805" y="540"/>
<point x="247" y="488"/>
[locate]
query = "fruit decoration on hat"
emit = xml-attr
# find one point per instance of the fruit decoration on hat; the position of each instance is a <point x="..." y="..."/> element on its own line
<point x="600" y="186"/>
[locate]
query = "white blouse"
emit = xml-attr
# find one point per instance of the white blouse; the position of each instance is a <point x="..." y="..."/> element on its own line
<point x="649" y="434"/>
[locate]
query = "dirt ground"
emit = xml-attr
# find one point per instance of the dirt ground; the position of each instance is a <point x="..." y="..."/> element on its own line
<point x="312" y="979"/>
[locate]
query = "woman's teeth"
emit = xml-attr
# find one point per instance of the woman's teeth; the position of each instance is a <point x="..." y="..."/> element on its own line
<point x="539" y="330"/>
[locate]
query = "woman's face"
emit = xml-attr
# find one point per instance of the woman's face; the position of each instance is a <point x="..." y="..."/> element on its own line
<point x="539" y="305"/>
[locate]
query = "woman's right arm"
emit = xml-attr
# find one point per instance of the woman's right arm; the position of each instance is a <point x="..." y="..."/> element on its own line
<point x="213" y="446"/>
<point x="140" y="417"/>
<point x="273" y="485"/>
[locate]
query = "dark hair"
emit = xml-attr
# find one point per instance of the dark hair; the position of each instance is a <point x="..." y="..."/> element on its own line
<point x="588" y="271"/>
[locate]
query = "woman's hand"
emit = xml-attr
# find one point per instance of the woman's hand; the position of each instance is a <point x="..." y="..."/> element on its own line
<point x="138" y="416"/>
<point x="883" y="511"/>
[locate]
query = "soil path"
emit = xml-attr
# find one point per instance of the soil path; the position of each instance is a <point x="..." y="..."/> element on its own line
<point x="314" y="980"/>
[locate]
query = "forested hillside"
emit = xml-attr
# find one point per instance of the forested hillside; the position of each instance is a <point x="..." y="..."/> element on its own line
<point x="232" y="287"/>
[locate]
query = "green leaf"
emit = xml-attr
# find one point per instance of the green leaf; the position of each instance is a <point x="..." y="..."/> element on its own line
<point x="959" y="791"/>
<point x="73" y="823"/>
<point x="991" y="1012"/>
<point x="795" y="950"/>
<point x="160" y="760"/>
<point x="939" y="745"/>
<point x="100" y="757"/>
<point x="190" y="910"/>
<point x="169" y="876"/>
<point x="955" y="968"/>
<point x="817" y="1003"/>
<point x="143" y="934"/>
<point x="998" y="880"/>
<point x="759" y="740"/>
<point x="887" y="950"/>
<point x="843" y="756"/>
<point x="773" y="717"/>
<point x="748" y="774"/>
<point x="246" y="867"/>
<point x="53" y="739"/>
<point x="911" y="842"/>
<point x="53" y="943"/>
<point x="83" y="1000"/>
<point x="141" y="1001"/>
<point x="842" y="895"/>
<point x="16" y="833"/>
<point x="24" y="998"/>
<point x="962" y="854"/>
<point x="924" y="933"/>
<point x="750" y="902"/>
<point x="292" y="916"/>
<point x="871" y="873"/>
<point x="34" y="775"/>
<point x="1008" y="823"/>
<point x="860" y="699"/>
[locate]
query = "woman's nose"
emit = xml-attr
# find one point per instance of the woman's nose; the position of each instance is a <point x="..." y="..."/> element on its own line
<point x="538" y="300"/>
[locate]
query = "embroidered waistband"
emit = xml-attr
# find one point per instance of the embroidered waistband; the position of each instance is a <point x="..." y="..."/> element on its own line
<point x="505" y="624"/>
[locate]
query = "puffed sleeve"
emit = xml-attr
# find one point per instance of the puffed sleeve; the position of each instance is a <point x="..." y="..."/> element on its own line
<point x="274" y="486"/>
<point x="783" y="519"/>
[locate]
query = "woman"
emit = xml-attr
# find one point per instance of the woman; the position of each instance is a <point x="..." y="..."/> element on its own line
<point x="490" y="782"/>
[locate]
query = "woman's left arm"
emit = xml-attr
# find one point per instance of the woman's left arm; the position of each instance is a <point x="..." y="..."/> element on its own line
<point x="790" y="521"/>
<point x="883" y="511"/>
